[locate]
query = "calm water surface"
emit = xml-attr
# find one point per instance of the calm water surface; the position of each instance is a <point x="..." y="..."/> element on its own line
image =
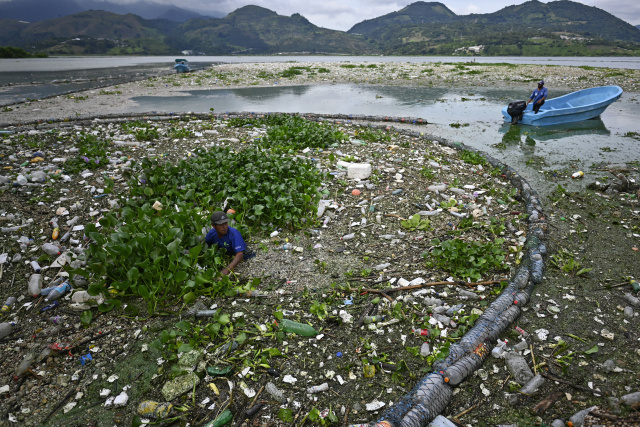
<point x="529" y="149"/>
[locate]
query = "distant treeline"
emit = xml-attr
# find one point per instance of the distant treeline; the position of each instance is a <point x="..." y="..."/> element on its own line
<point x="16" y="52"/>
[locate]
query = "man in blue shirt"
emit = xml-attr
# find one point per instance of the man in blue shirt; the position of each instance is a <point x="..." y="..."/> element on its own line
<point x="538" y="96"/>
<point x="226" y="238"/>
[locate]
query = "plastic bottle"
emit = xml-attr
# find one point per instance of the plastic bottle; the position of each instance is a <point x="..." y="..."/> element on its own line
<point x="469" y="294"/>
<point x="35" y="266"/>
<point x="304" y="330"/>
<point x="518" y="367"/>
<point x="57" y="281"/>
<point x="275" y="392"/>
<point x="286" y="247"/>
<point x="58" y="291"/>
<point x="578" y="174"/>
<point x="421" y="332"/>
<point x="432" y="301"/>
<point x="55" y="233"/>
<point x="533" y="385"/>
<point x="631" y="299"/>
<point x="453" y="310"/>
<point x="55" y="319"/>
<point x="348" y="236"/>
<point x="578" y="418"/>
<point x="25" y="364"/>
<point x="628" y="312"/>
<point x="50" y="249"/>
<point x="6" y="329"/>
<point x="50" y="306"/>
<point x="154" y="410"/>
<point x="387" y="236"/>
<point x="373" y="319"/>
<point x="522" y="331"/>
<point x="382" y="266"/>
<point x="65" y="237"/>
<point x="8" y="303"/>
<point x="318" y="388"/>
<point x="205" y="313"/>
<point x="635" y="286"/>
<point x="35" y="285"/>
<point x="521" y="345"/>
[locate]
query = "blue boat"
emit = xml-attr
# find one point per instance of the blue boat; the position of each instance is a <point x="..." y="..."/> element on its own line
<point x="574" y="107"/>
<point x="182" y="66"/>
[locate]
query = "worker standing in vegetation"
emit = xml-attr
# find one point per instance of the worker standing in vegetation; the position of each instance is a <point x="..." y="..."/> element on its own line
<point x="538" y="96"/>
<point x="227" y="238"/>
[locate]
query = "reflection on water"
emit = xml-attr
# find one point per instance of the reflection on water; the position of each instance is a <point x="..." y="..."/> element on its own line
<point x="514" y="133"/>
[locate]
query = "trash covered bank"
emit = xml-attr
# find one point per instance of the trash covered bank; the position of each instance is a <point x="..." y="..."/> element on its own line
<point x="387" y="265"/>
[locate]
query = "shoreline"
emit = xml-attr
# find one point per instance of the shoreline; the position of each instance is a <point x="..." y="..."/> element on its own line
<point x="112" y="99"/>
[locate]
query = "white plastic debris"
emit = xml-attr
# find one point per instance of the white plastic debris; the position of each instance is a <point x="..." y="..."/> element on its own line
<point x="289" y="379"/>
<point x="121" y="400"/>
<point x="375" y="405"/>
<point x="105" y="392"/>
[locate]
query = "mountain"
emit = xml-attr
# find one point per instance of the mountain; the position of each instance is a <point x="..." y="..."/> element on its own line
<point x="250" y="29"/>
<point x="39" y="10"/>
<point x="417" y="13"/>
<point x="530" y="29"/>
<point x="557" y="28"/>
<point x="256" y="30"/>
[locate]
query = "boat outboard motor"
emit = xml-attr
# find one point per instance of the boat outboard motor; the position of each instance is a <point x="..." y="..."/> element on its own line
<point x="515" y="110"/>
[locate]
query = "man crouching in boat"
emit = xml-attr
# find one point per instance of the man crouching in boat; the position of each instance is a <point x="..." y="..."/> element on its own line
<point x="538" y="96"/>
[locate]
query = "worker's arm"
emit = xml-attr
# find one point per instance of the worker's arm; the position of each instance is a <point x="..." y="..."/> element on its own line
<point x="235" y="261"/>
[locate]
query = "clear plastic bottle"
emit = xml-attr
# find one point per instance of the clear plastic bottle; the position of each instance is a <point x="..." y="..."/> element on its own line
<point x="387" y="236"/>
<point x="6" y="329"/>
<point x="58" y="291"/>
<point x="631" y="299"/>
<point x="421" y="332"/>
<point x="8" y="303"/>
<point x="318" y="388"/>
<point x="275" y="392"/>
<point x="50" y="249"/>
<point x="55" y="319"/>
<point x="432" y="301"/>
<point x="35" y="285"/>
<point x="205" y="313"/>
<point x="25" y="364"/>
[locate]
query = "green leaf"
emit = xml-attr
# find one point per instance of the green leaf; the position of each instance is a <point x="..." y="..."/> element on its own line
<point x="86" y="317"/>
<point x="592" y="350"/>
<point x="148" y="191"/>
<point x="189" y="298"/>
<point x="180" y="276"/>
<point x="184" y="348"/>
<point x="285" y="415"/>
<point x="575" y="337"/>
<point x="183" y="325"/>
<point x="133" y="274"/>
<point x="224" y="319"/>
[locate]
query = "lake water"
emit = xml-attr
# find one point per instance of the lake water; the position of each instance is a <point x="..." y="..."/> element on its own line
<point x="537" y="153"/>
<point x="528" y="149"/>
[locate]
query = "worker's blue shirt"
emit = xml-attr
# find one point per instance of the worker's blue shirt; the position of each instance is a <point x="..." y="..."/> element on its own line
<point x="232" y="241"/>
<point x="538" y="94"/>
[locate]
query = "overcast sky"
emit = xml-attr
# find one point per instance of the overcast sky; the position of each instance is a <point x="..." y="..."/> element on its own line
<point x="343" y="14"/>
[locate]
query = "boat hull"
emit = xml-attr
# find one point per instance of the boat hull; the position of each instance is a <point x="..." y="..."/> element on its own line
<point x="574" y="107"/>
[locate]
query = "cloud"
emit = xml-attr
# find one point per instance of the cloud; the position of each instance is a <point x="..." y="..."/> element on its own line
<point x="344" y="14"/>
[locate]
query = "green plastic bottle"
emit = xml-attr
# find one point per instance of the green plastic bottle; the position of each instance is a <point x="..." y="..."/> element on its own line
<point x="298" y="328"/>
<point x="635" y="286"/>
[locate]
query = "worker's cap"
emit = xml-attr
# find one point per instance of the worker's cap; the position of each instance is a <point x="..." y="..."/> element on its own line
<point x="219" y="218"/>
<point x="541" y="82"/>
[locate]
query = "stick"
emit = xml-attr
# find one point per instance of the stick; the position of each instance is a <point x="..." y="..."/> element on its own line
<point x="466" y="411"/>
<point x="577" y="387"/>
<point x="346" y="416"/>
<point x="59" y="404"/>
<point x="365" y="313"/>
<point x="533" y="358"/>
